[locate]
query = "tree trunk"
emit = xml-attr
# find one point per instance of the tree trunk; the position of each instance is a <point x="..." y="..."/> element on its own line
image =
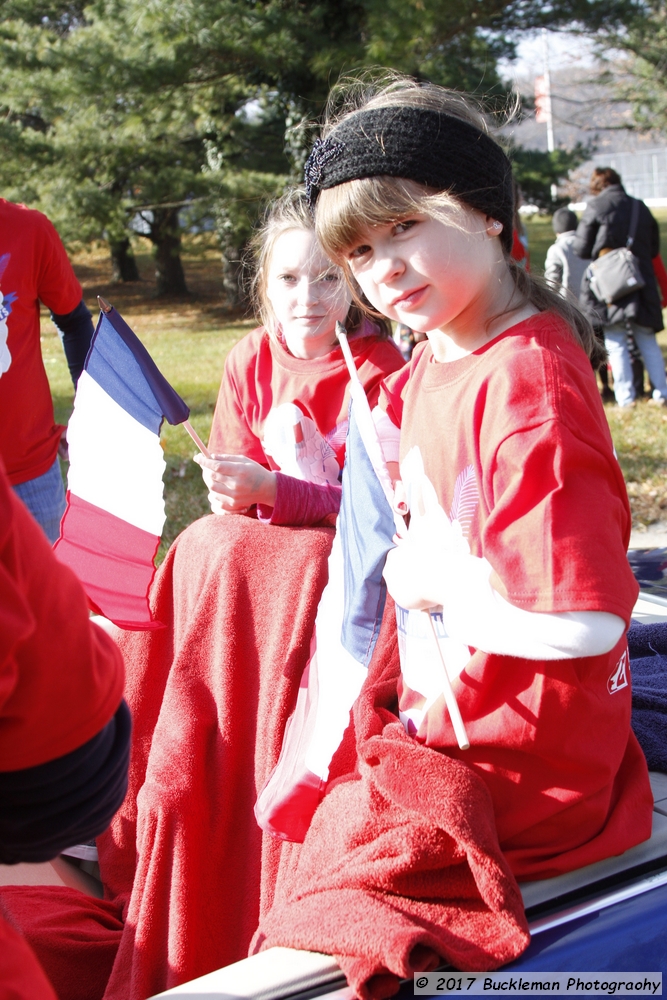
<point x="232" y="280"/>
<point x="123" y="264"/>
<point x="166" y="235"/>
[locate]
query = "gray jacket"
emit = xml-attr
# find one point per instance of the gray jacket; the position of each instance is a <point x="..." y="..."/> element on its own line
<point x="564" y="269"/>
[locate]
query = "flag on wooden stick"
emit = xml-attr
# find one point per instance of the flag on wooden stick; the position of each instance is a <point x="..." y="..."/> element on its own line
<point x="347" y="627"/>
<point x="115" y="513"/>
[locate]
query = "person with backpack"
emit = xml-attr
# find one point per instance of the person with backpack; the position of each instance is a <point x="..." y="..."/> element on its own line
<point x="612" y="220"/>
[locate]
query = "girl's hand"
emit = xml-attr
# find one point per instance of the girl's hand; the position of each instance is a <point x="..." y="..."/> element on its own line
<point x="412" y="572"/>
<point x="418" y="569"/>
<point x="236" y="483"/>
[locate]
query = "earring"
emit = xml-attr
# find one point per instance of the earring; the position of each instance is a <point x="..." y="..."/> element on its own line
<point x="497" y="225"/>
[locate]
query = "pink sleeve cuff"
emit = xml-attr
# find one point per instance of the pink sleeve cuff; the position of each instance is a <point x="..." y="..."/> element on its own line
<point x="299" y="502"/>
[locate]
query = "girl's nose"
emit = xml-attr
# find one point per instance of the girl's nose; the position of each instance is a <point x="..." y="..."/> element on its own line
<point x="386" y="268"/>
<point x="307" y="292"/>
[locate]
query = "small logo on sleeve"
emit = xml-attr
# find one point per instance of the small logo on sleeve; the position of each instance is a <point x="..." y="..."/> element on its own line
<point x="619" y="678"/>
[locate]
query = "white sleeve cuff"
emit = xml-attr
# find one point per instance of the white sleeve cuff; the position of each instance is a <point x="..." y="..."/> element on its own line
<point x="388" y="433"/>
<point x="479" y="616"/>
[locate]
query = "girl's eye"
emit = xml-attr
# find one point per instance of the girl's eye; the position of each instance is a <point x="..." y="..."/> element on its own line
<point x="404" y="225"/>
<point x="359" y="251"/>
<point x="287" y="278"/>
<point x="330" y="277"/>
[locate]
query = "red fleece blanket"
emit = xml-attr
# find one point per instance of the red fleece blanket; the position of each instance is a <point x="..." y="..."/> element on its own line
<point x="75" y="937"/>
<point x="400" y="869"/>
<point x="210" y="695"/>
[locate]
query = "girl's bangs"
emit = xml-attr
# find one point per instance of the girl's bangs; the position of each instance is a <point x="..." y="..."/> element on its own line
<point x="346" y="212"/>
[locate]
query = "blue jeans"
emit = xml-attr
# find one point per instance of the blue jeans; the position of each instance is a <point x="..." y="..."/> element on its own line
<point x="616" y="342"/>
<point x="45" y="499"/>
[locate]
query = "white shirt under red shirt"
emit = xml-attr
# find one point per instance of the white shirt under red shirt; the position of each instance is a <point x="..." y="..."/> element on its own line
<point x="514" y="440"/>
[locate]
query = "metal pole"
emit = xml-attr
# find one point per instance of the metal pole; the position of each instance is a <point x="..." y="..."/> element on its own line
<point x="551" y="145"/>
<point x="547" y="86"/>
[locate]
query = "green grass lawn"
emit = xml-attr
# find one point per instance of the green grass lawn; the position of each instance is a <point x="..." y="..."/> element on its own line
<point x="189" y="342"/>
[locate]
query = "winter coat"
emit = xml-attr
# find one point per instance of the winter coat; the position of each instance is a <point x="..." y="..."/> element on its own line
<point x="606" y="223"/>
<point x="564" y="269"/>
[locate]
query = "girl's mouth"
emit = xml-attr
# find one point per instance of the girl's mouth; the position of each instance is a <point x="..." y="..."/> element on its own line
<point x="410" y="299"/>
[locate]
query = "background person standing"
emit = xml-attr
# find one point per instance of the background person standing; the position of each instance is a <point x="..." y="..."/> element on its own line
<point x="605" y="226"/>
<point x="564" y="270"/>
<point x="34" y="268"/>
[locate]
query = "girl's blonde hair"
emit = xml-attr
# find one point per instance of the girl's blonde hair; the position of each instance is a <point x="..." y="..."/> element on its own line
<point x="346" y="212"/>
<point x="291" y="211"/>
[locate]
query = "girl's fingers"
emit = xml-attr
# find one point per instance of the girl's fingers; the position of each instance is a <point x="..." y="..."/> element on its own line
<point x="221" y="504"/>
<point x="217" y="483"/>
<point x="400" y="498"/>
<point x="241" y="480"/>
<point x="216" y="462"/>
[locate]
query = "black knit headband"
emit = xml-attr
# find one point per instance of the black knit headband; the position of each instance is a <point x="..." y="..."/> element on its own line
<point x="422" y="145"/>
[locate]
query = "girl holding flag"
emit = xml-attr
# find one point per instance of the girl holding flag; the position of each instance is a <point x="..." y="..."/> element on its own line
<point x="281" y="418"/>
<point x="519" y="515"/>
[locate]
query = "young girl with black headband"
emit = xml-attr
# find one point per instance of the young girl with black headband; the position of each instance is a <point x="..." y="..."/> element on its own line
<point x="519" y="514"/>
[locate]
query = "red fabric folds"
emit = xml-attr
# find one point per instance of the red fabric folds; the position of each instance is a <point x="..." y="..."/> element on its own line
<point x="21" y="976"/>
<point x="210" y="695"/>
<point x="401" y="868"/>
<point x="74" y="936"/>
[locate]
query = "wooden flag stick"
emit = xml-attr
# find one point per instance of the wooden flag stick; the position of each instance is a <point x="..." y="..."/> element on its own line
<point x="341" y="333"/>
<point x="450" y="697"/>
<point x="197" y="440"/>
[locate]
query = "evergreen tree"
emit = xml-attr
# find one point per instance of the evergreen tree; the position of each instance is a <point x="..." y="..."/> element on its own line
<point x="637" y="70"/>
<point x="536" y="171"/>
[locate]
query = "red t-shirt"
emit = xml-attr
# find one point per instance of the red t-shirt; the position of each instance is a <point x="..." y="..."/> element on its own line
<point x="61" y="677"/>
<point x="21" y="975"/>
<point x="521" y="431"/>
<point x="33" y="267"/>
<point x="290" y="413"/>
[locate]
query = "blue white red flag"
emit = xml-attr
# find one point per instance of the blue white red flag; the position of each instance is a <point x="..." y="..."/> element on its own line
<point x="115" y="513"/>
<point x="366" y="527"/>
<point x="346" y="630"/>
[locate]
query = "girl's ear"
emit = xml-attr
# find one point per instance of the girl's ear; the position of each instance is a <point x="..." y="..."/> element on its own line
<point x="493" y="227"/>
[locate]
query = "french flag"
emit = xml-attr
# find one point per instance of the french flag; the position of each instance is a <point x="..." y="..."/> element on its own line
<point x="115" y="513"/>
<point x="347" y="626"/>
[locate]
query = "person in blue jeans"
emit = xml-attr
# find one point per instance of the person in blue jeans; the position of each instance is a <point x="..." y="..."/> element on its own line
<point x="605" y="226"/>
